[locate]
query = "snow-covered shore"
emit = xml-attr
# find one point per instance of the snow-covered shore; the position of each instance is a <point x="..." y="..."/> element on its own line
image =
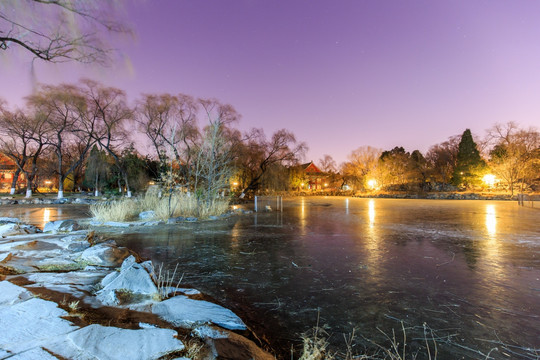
<point x="67" y="293"/>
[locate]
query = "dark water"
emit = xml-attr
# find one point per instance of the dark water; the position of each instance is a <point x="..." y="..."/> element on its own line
<point x="469" y="270"/>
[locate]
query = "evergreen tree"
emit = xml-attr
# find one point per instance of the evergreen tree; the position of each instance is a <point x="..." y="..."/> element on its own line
<point x="470" y="165"/>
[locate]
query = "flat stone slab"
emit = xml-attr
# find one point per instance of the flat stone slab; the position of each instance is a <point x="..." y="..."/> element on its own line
<point x="61" y="226"/>
<point x="104" y="255"/>
<point x="102" y="342"/>
<point x="30" y="324"/>
<point x="11" y="294"/>
<point x="184" y="312"/>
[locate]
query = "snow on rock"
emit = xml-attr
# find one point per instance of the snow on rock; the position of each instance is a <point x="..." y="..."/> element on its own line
<point x="117" y="224"/>
<point x="33" y="354"/>
<point x="132" y="280"/>
<point x="77" y="283"/>
<point x="187" y="313"/>
<point x="12" y="229"/>
<point x="9" y="220"/>
<point x="104" y="255"/>
<point x="11" y="294"/>
<point x="147" y="215"/>
<point x="31" y="323"/>
<point x="61" y="226"/>
<point x="101" y="342"/>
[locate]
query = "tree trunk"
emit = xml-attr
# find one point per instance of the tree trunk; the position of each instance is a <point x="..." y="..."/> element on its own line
<point x="14" y="181"/>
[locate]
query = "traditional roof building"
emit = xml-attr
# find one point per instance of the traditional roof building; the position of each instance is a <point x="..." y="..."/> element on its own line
<point x="7" y="171"/>
<point x="314" y="177"/>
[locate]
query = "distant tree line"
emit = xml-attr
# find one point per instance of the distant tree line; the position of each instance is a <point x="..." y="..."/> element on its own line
<point x="86" y="136"/>
<point x="508" y="156"/>
<point x="83" y="136"/>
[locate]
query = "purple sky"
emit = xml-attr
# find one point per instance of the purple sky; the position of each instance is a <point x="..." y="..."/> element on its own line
<point x="339" y="74"/>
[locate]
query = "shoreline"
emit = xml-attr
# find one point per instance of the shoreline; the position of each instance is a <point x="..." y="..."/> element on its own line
<point x="52" y="267"/>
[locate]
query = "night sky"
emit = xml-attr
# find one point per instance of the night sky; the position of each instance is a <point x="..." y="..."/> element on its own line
<point x="339" y="74"/>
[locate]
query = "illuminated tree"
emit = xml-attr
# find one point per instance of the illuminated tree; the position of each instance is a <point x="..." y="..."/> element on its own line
<point x="362" y="164"/>
<point x="470" y="167"/>
<point x="59" y="30"/>
<point x="515" y="157"/>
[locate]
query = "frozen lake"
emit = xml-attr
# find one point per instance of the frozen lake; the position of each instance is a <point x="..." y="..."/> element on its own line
<point x="470" y="270"/>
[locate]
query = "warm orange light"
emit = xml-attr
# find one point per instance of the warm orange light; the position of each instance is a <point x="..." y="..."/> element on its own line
<point x="8" y="176"/>
<point x="489" y="179"/>
<point x="325" y="184"/>
<point x="235" y="183"/>
<point x="48" y="182"/>
<point x="372" y="183"/>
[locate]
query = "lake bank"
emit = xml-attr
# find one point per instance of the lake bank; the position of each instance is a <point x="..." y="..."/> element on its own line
<point x="66" y="278"/>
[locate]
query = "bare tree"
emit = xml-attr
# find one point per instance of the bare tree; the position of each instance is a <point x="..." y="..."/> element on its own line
<point x="282" y="148"/>
<point x="328" y="164"/>
<point x="22" y="139"/>
<point x="214" y="158"/>
<point x="170" y="123"/>
<point x="442" y="159"/>
<point x="65" y="108"/>
<point x="59" y="30"/>
<point x="107" y="112"/>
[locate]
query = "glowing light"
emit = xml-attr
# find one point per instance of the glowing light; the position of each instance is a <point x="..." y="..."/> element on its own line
<point x="46" y="215"/>
<point x="301" y="184"/>
<point x="371" y="212"/>
<point x="325" y="184"/>
<point x="7" y="176"/>
<point x="372" y="183"/>
<point x="235" y="183"/>
<point x="151" y="183"/>
<point x="491" y="220"/>
<point x="48" y="182"/>
<point x="489" y="179"/>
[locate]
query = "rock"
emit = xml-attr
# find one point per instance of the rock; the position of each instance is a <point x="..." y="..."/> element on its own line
<point x="145" y="215"/>
<point x="101" y="342"/>
<point x="4" y="220"/>
<point x="76" y="283"/>
<point x="187" y="313"/>
<point x="228" y="345"/>
<point x="212" y="217"/>
<point x="33" y="354"/>
<point x="191" y="219"/>
<point x="104" y="255"/>
<point x="176" y="220"/>
<point x="11" y="294"/>
<point x="117" y="224"/>
<point x="132" y="284"/>
<point x="31" y="323"/>
<point x="61" y="226"/>
<point x="16" y="229"/>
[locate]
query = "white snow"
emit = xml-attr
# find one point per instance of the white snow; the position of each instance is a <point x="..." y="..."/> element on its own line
<point x="187" y="313"/>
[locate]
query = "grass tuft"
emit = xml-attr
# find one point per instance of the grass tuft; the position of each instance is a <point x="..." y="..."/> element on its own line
<point x="174" y="205"/>
<point x="120" y="210"/>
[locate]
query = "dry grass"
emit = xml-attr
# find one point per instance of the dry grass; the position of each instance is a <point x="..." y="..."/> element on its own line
<point x="164" y="281"/>
<point x="120" y="210"/>
<point x="177" y="204"/>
